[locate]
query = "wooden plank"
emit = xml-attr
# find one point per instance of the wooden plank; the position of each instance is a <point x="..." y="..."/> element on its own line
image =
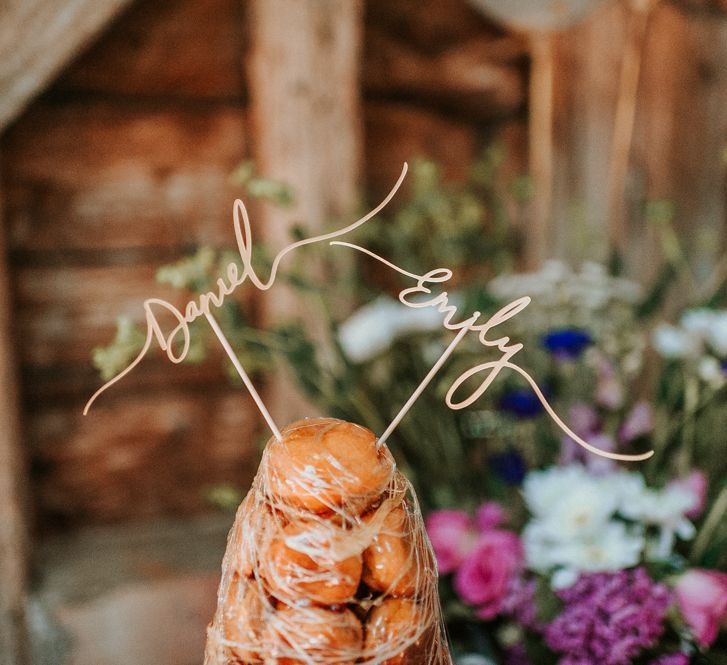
<point x="97" y="176"/>
<point x="481" y="79"/>
<point x="396" y="133"/>
<point x="39" y="37"/>
<point x="13" y="525"/>
<point x="681" y="128"/>
<point x="66" y="311"/>
<point x="678" y="137"/>
<point x="304" y="96"/>
<point x="174" y="49"/>
<point x="586" y="60"/>
<point x="141" y="455"/>
<point x="66" y="381"/>
<point x="445" y="23"/>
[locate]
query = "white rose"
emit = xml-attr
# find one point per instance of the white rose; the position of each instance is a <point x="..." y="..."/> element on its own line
<point x="698" y="321"/>
<point x="369" y="330"/>
<point x="718" y="333"/>
<point x="374" y="327"/>
<point x="665" y="509"/>
<point x="672" y="342"/>
<point x="710" y="371"/>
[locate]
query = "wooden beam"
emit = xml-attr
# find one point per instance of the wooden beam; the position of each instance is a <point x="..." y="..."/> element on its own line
<point x="305" y="106"/>
<point x="13" y="531"/>
<point x="39" y="37"/>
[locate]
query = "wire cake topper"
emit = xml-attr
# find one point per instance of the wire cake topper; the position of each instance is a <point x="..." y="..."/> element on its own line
<point x="485" y="372"/>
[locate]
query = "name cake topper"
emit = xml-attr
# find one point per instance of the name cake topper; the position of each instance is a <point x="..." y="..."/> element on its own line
<point x="485" y="372"/>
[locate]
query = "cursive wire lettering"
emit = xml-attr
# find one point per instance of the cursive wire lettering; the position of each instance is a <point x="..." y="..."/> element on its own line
<point x="486" y="372"/>
<point x="176" y="343"/>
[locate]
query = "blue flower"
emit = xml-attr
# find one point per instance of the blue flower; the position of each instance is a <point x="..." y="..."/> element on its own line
<point x="521" y="403"/>
<point x="567" y="343"/>
<point x="510" y="466"/>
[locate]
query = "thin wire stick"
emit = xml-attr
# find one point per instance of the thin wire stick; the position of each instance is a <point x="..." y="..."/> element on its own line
<point x="243" y="375"/>
<point x="424" y="384"/>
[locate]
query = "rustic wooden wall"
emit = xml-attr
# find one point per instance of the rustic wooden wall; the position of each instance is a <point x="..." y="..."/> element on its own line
<point x="679" y="137"/>
<point x="443" y="83"/>
<point x="123" y="165"/>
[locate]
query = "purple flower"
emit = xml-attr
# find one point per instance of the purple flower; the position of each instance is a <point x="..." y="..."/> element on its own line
<point x="517" y="655"/>
<point x="510" y="466"/>
<point x="567" y="343"/>
<point x="485" y="576"/>
<point x="522" y="403"/>
<point x="671" y="659"/>
<point x="584" y="421"/>
<point x="453" y="537"/>
<point x="608" y="618"/>
<point x="639" y="422"/>
<point x="697" y="484"/>
<point x="573" y="453"/>
<point x="520" y="603"/>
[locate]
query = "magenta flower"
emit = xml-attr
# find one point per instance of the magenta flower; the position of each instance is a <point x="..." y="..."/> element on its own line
<point x="608" y="618"/>
<point x="489" y="516"/>
<point x="486" y="575"/>
<point x="702" y="599"/>
<point x="671" y="659"/>
<point x="453" y="537"/>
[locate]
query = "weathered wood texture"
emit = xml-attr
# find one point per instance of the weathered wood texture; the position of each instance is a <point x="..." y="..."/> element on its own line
<point x="179" y="50"/>
<point x="441" y="83"/>
<point x="679" y="136"/>
<point x="37" y="38"/>
<point x="305" y="116"/>
<point x="158" y="451"/>
<point x="13" y="508"/>
<point x="397" y="132"/>
<point x="121" y="166"/>
<point x="93" y="177"/>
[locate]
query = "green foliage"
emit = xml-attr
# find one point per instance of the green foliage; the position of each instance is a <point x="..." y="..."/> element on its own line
<point x="461" y="225"/>
<point x="258" y="187"/>
<point x="129" y="340"/>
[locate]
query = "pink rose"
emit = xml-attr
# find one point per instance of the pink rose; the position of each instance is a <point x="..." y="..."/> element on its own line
<point x="639" y="422"/>
<point x="485" y="576"/>
<point x="702" y="598"/>
<point x="452" y="535"/>
<point x="696" y="484"/>
<point x="489" y="516"/>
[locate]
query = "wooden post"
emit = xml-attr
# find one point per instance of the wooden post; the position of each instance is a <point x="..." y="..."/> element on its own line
<point x="304" y="90"/>
<point x="541" y="146"/>
<point x="678" y="133"/>
<point x="13" y="536"/>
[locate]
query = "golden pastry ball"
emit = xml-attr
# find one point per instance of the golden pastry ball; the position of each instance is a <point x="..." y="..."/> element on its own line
<point x="297" y="635"/>
<point x="325" y="465"/>
<point x="252" y="517"/>
<point x="399" y="621"/>
<point x="244" y="621"/>
<point x="391" y="564"/>
<point x="308" y="561"/>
